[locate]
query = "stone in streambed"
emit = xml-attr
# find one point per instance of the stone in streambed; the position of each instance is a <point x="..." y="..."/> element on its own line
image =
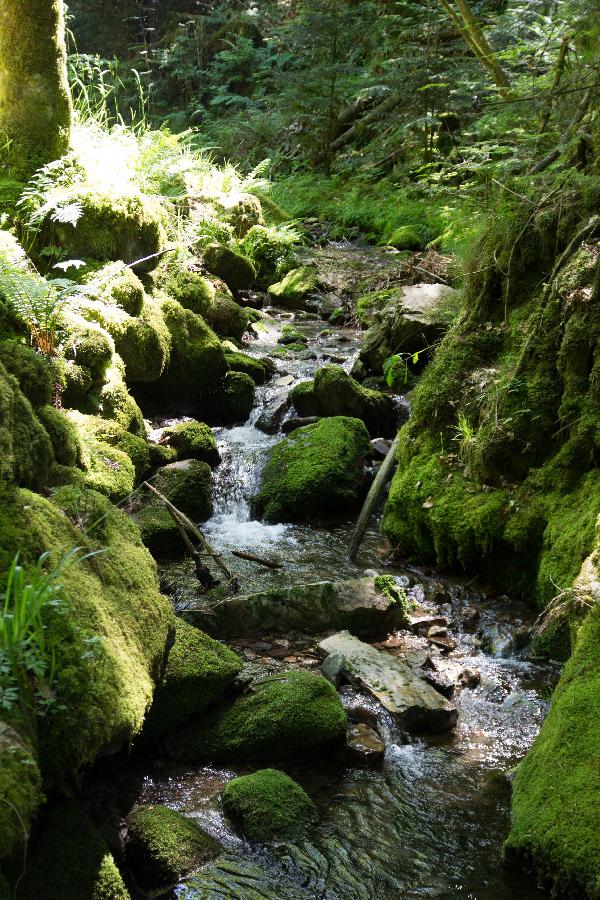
<point x="192" y="440"/>
<point x="364" y="747"/>
<point x="268" y="803"/>
<point x="163" y="846"/>
<point x="356" y="604"/>
<point x="415" y="705"/>
<point x="283" y="716"/>
<point x="188" y="486"/>
<point x="319" y="470"/>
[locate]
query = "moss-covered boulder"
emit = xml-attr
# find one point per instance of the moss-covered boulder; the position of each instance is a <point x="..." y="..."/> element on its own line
<point x="191" y="289"/>
<point x="198" y="672"/>
<point x="192" y="440"/>
<point x="236" y="270"/>
<point x="35" y="374"/>
<point x="335" y="393"/>
<point x="20" y="787"/>
<point x="293" y="714"/>
<point x="69" y="858"/>
<point x="109" y="646"/>
<point x="319" y="470"/>
<point x="227" y="318"/>
<point x="273" y="252"/>
<point x="188" y="486"/>
<point x="235" y="401"/>
<point x="25" y="449"/>
<point x="267" y="804"/>
<point x="63" y="435"/>
<point x="295" y="287"/>
<point x="242" y="211"/>
<point x="159" y="532"/>
<point x="118" y="284"/>
<point x="556" y="794"/>
<point x="128" y="228"/>
<point x="197" y="365"/>
<point x="407" y="237"/>
<point x="89" y="346"/>
<point x="107" y="467"/>
<point x="255" y="368"/>
<point x="163" y="846"/>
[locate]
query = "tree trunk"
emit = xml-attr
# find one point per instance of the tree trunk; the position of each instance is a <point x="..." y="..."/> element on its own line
<point x="35" y="104"/>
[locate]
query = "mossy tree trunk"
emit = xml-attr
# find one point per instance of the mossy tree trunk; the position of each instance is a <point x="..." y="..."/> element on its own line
<point x="35" y="104"/>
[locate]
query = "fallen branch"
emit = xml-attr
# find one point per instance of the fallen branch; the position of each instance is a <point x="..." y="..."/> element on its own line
<point x="377" y="487"/>
<point x="262" y="561"/>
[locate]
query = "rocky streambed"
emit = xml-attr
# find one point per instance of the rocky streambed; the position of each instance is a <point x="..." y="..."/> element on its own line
<point x="441" y="694"/>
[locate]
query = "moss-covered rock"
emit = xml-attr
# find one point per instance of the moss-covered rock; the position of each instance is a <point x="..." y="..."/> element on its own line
<point x="192" y="440"/>
<point x="293" y="714"/>
<point x="89" y="346"/>
<point x="556" y="796"/>
<point x="273" y="252"/>
<point x="317" y="471"/>
<point x="268" y="803"/>
<point x="106" y="466"/>
<point x="302" y="396"/>
<point x="88" y="510"/>
<point x="159" y="532"/>
<point x="236" y="270"/>
<point x="163" y="846"/>
<point x="241" y="362"/>
<point x="188" y="486"/>
<point x="161" y="455"/>
<point x="235" y="401"/>
<point x="293" y="289"/>
<point x="25" y="449"/>
<point x="33" y="371"/>
<point x="407" y="237"/>
<point x="116" y="403"/>
<point x="197" y="366"/>
<point x="103" y="688"/>
<point x="227" y="318"/>
<point x="127" y="228"/>
<point x="190" y="289"/>
<point x="20" y="788"/>
<point x="242" y="211"/>
<point x="63" y="435"/>
<point x="117" y="283"/>
<point x="335" y="393"/>
<point x="70" y="859"/>
<point x="198" y="672"/>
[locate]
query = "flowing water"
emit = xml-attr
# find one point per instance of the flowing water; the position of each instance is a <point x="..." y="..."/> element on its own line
<point x="430" y="823"/>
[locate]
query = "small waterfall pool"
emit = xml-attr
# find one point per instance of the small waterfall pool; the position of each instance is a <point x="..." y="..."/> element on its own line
<point x="431" y="822"/>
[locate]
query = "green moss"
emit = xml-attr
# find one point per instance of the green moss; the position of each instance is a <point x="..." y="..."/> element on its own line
<point x="32" y="370"/>
<point x="235" y="402"/>
<point x="188" y="486"/>
<point x="317" y="471"/>
<point x="370" y="303"/>
<point x="70" y="859"/>
<point x="10" y="194"/>
<point x="158" y="530"/>
<point x="198" y="365"/>
<point x="106" y="467"/>
<point x="556" y="796"/>
<point x="143" y="344"/>
<point x="337" y="394"/>
<point x="102" y="688"/>
<point x="268" y="803"/>
<point x="302" y="396"/>
<point x="63" y="435"/>
<point x="127" y="228"/>
<point x="295" y="285"/>
<point x="236" y="270"/>
<point x="88" y="510"/>
<point x="193" y="440"/>
<point x="116" y="403"/>
<point x="163" y="846"/>
<point x="190" y="289"/>
<point x="198" y="672"/>
<point x="89" y="346"/>
<point x="117" y="283"/>
<point x="227" y="318"/>
<point x="272" y="252"/>
<point x="26" y="453"/>
<point x="161" y="455"/>
<point x="387" y="586"/>
<point x="287" y="715"/>
<point x="241" y="362"/>
<point x="406" y="237"/>
<point x="20" y="788"/>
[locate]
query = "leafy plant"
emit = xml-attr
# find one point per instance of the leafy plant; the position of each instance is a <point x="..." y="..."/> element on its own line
<point x="27" y="644"/>
<point x="466" y="437"/>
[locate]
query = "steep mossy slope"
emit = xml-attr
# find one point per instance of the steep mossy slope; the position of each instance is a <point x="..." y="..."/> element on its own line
<point x="499" y="459"/>
<point x="556" y="800"/>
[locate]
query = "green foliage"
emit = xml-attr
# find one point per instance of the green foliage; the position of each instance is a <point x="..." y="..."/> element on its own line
<point x="267" y="803"/>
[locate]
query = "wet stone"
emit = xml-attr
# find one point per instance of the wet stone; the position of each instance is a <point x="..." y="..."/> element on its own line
<point x="423" y="624"/>
<point x="364" y="746"/>
<point x="333" y="668"/>
<point x="470" y="617"/>
<point x="470" y="678"/>
<point x="445" y="643"/>
<point x="438" y="631"/>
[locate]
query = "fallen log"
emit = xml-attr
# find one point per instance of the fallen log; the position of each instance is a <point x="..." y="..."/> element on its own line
<point x="370" y="503"/>
<point x="261" y="560"/>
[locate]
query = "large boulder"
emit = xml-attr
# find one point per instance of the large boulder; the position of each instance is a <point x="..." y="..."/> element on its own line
<point x="188" y="486"/>
<point x="412" y="322"/>
<point x="319" y="470"/>
<point x="358" y="604"/>
<point x="335" y="393"/>
<point x="268" y="803"/>
<point x="192" y="440"/>
<point x="295" y="288"/>
<point x="292" y="714"/>
<point x="242" y="211"/>
<point x="415" y="705"/>
<point x="198" y="672"/>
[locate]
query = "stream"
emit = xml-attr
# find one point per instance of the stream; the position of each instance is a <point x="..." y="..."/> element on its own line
<point x="430" y="822"/>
